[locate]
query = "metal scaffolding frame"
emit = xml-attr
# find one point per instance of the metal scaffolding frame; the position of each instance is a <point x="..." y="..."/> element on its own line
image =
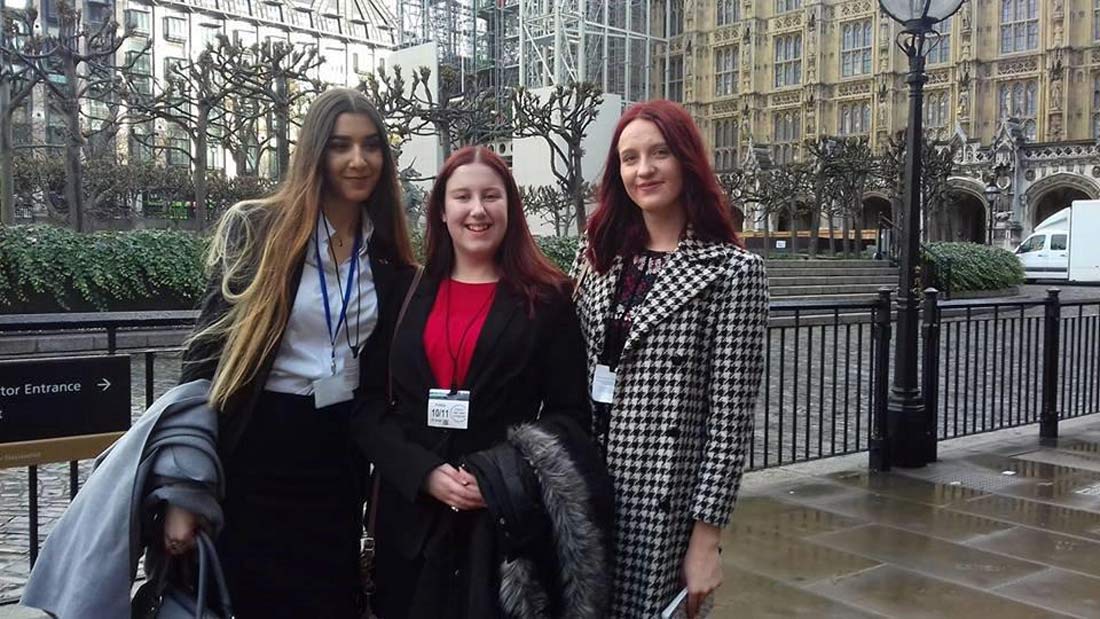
<point x="498" y="45"/>
<point x="501" y="44"/>
<point x="610" y="42"/>
<point x="451" y="24"/>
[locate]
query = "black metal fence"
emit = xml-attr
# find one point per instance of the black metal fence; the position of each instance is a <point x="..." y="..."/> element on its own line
<point x="817" y="397"/>
<point x="987" y="365"/>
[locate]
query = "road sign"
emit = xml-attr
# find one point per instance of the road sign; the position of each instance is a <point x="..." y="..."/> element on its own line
<point x="69" y="408"/>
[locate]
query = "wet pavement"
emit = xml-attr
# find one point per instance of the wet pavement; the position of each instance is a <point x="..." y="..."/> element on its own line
<point x="1000" y="526"/>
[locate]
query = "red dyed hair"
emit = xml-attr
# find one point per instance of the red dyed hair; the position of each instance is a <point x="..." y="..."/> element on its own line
<point x="617" y="227"/>
<point x="523" y="268"/>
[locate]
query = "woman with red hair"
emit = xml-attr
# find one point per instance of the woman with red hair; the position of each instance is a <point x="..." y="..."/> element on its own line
<point x="490" y="341"/>
<point x="673" y="311"/>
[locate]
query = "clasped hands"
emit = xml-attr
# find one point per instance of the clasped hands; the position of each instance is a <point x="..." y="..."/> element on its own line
<point x="455" y="488"/>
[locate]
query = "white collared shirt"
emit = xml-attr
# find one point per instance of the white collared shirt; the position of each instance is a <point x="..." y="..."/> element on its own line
<point x="305" y="354"/>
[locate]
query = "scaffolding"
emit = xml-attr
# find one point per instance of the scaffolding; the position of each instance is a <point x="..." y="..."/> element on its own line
<point x="451" y="25"/>
<point x="498" y="45"/>
<point x="609" y="42"/>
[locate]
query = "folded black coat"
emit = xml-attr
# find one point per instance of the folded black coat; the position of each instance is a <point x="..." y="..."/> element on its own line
<point x="549" y="498"/>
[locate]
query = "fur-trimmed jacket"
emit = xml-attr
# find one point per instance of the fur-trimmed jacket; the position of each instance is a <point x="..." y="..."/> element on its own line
<point x="550" y="508"/>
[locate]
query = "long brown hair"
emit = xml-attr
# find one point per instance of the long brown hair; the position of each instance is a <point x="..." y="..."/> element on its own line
<point x="524" y="270"/>
<point x="259" y="244"/>
<point x="617" y="227"/>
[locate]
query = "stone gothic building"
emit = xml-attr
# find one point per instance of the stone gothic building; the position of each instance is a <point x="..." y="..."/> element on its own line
<point x="1016" y="83"/>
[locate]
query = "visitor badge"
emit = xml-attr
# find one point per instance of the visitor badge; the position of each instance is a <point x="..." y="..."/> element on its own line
<point x="603" y="385"/>
<point x="448" y="410"/>
<point x="337" y="388"/>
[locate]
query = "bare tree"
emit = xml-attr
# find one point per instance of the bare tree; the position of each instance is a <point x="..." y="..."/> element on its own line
<point x="75" y="64"/>
<point x="277" y="76"/>
<point x="562" y="119"/>
<point x="785" y="189"/>
<point x="455" y="115"/>
<point x="191" y="102"/>
<point x="551" y="205"/>
<point x="853" y="165"/>
<point x="939" y="165"/>
<point x="17" y="82"/>
<point x="387" y="91"/>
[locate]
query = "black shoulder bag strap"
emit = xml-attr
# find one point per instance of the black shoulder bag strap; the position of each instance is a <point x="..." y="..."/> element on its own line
<point x="373" y="517"/>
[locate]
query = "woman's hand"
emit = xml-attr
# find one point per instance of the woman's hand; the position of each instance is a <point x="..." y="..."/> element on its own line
<point x="454" y="488"/>
<point x="180" y="527"/>
<point x="702" y="565"/>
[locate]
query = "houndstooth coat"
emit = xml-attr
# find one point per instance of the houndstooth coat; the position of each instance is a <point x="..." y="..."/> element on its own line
<point x="681" y="421"/>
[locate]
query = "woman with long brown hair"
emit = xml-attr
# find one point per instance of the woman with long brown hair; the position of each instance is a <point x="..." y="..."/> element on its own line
<point x="673" y="310"/>
<point x="490" y="340"/>
<point x="303" y="282"/>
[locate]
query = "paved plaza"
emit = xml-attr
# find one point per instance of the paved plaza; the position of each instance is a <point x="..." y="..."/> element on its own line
<point x="999" y="527"/>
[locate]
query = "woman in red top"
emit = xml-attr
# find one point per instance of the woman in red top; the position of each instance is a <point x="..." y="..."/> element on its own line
<point x="490" y="340"/>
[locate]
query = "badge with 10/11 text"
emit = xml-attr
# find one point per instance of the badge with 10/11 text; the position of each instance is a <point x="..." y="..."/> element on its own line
<point x="449" y="410"/>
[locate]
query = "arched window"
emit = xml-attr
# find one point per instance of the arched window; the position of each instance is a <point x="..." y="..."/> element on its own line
<point x="1018" y="100"/>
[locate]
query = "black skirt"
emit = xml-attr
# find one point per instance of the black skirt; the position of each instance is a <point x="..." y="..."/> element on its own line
<point x="293" y="510"/>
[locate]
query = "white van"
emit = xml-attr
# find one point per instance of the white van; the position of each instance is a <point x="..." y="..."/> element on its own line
<point x="1049" y="253"/>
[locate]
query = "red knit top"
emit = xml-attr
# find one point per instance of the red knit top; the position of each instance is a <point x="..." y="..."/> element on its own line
<point x="453" y="327"/>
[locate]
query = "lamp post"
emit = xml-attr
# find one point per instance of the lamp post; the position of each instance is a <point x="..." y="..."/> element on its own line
<point x="992" y="194"/>
<point x="908" y="425"/>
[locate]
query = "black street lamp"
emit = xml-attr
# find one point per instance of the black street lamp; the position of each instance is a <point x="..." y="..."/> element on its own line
<point x="909" y="425"/>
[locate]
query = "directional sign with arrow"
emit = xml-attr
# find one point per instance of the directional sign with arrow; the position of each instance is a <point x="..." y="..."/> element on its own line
<point x="59" y="409"/>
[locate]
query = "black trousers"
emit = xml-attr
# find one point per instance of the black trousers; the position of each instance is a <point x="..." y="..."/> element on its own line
<point x="293" y="509"/>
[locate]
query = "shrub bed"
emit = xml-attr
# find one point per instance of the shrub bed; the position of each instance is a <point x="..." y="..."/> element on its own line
<point x="51" y="269"/>
<point x="971" y="266"/>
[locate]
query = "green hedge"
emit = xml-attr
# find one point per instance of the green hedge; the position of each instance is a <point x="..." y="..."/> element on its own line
<point x="559" y="249"/>
<point x="51" y="269"/>
<point x="971" y="267"/>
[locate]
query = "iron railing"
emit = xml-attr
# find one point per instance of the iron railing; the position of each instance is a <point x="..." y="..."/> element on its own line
<point x="820" y="359"/>
<point x="1004" y="364"/>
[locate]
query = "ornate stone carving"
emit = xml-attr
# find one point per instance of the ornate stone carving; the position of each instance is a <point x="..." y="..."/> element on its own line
<point x="792" y="21"/>
<point x="1018" y="67"/>
<point x="854" y="89"/>
<point x="725" y="107"/>
<point x="729" y="33"/>
<point x="857" y="7"/>
<point x="1057" y="70"/>
<point x="787" y="98"/>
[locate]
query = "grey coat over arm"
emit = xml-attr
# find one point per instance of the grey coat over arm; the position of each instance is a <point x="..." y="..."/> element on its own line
<point x="86" y="567"/>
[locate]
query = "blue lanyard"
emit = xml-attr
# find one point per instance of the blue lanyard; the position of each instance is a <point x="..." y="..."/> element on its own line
<point x="352" y="273"/>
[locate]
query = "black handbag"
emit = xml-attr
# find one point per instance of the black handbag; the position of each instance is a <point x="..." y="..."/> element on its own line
<point x="159" y="598"/>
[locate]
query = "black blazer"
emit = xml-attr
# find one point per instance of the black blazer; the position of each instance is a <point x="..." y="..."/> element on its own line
<point x="524" y="367"/>
<point x="200" y="360"/>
